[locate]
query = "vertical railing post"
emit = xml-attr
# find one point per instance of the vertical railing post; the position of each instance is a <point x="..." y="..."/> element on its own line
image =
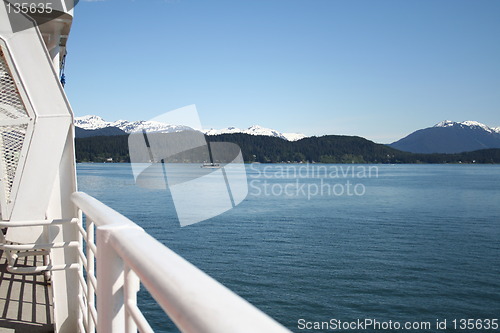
<point x="81" y="292"/>
<point x="90" y="272"/>
<point x="132" y="284"/>
<point x="110" y="280"/>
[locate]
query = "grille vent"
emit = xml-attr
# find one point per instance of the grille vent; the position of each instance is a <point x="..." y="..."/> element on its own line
<point x="14" y="120"/>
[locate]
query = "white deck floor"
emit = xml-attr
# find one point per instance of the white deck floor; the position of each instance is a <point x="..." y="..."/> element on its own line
<point x="25" y="301"/>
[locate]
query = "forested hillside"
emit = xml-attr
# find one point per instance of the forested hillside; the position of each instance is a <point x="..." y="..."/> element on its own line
<point x="264" y="149"/>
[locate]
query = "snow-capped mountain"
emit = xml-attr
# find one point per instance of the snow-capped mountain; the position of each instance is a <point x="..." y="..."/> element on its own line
<point x="451" y="137"/>
<point x="256" y="130"/>
<point x="91" y="122"/>
<point x="468" y="124"/>
<point x="95" y="122"/>
<point x="294" y="136"/>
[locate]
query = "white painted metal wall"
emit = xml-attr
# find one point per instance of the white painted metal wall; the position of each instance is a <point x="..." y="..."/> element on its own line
<point x="44" y="174"/>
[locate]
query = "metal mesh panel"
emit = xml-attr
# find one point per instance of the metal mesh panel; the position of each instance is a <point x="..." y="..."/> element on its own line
<point x="12" y="138"/>
<point x="13" y="126"/>
<point x="11" y="104"/>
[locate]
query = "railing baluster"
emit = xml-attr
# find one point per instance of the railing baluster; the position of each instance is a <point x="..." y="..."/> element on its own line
<point x="90" y="272"/>
<point x="82" y="290"/>
<point x="110" y="285"/>
<point x="132" y="284"/>
<point x="83" y="308"/>
<point x="139" y="319"/>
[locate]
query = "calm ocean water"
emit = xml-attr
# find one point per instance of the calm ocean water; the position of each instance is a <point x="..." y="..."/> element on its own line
<point x="318" y="242"/>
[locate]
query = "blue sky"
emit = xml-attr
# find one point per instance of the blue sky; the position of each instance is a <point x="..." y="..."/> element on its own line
<point x="374" y="68"/>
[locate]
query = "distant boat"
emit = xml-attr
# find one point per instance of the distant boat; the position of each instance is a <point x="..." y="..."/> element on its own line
<point x="210" y="165"/>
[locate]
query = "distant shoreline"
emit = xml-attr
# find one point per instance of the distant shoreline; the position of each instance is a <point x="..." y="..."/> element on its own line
<point x="298" y="164"/>
<point x="331" y="149"/>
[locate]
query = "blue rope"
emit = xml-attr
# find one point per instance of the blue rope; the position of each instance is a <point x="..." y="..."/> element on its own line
<point x="62" y="76"/>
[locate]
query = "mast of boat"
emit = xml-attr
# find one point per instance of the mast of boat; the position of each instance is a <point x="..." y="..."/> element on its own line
<point x="37" y="159"/>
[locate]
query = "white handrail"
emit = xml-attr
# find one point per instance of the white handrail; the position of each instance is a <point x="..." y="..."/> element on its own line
<point x="35" y="249"/>
<point x="9" y="224"/>
<point x="193" y="300"/>
<point x="98" y="212"/>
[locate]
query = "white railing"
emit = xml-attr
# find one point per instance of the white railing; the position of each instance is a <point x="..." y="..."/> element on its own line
<point x="16" y="251"/>
<point x="126" y="255"/>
